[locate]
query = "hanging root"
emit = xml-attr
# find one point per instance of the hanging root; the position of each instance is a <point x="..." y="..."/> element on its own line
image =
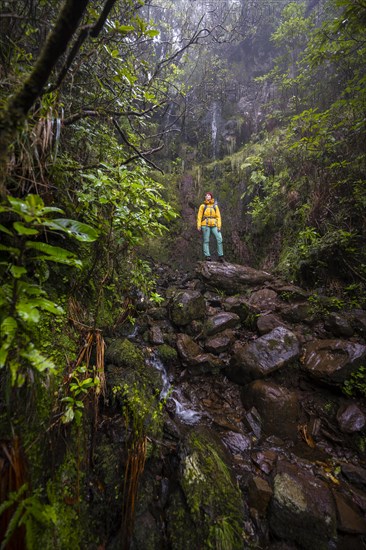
<point x="134" y="467"/>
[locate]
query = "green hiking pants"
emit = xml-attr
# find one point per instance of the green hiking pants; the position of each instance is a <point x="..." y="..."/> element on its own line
<point x="206" y="233"/>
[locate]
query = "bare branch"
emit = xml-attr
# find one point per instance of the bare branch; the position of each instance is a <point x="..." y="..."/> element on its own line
<point x="138" y="153"/>
<point x="106" y="113"/>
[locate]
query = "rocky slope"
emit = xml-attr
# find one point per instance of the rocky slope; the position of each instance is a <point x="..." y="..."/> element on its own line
<point x="260" y="447"/>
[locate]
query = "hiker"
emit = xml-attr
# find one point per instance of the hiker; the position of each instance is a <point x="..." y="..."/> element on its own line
<point x="209" y="221"/>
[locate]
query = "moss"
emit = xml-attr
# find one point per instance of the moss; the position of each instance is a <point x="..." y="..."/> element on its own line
<point x="167" y="354"/>
<point x="214" y="501"/>
<point x="182" y="531"/>
<point x="123" y="353"/>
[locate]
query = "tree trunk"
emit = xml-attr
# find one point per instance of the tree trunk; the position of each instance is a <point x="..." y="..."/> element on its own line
<point x="20" y="102"/>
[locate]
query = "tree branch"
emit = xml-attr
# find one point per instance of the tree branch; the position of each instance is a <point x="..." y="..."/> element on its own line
<point x="138" y="153"/>
<point x="85" y="32"/>
<point x="20" y="103"/>
<point x="91" y="113"/>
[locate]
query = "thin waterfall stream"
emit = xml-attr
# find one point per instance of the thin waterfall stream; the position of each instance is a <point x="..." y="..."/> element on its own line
<point x="182" y="407"/>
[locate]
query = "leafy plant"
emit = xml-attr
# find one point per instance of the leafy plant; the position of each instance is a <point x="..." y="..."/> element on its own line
<point x="29" y="512"/>
<point x="79" y="387"/>
<point x="356" y="384"/>
<point x="22" y="299"/>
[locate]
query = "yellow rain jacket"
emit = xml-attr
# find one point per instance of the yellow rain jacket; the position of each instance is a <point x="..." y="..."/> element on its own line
<point x="209" y="215"/>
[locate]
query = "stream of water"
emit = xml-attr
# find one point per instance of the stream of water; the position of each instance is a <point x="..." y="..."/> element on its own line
<point x="183" y="408"/>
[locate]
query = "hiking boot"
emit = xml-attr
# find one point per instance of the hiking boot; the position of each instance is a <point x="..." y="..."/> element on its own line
<point x="221" y="259"/>
<point x="207" y="258"/>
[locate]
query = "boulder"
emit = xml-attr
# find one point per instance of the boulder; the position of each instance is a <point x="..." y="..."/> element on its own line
<point x="232" y="278"/>
<point x="264" y="299"/>
<point x="186" y="306"/>
<point x="240" y="306"/>
<point x="156" y="335"/>
<point x="221" y="342"/>
<point x="351" y="419"/>
<point x="338" y="325"/>
<point x="205" y="363"/>
<point x="333" y="361"/>
<point x="187" y="348"/>
<point x="220" y="322"/>
<point x="302" y="509"/>
<point x="266" y="323"/>
<point x="262" y="356"/>
<point x="259" y="495"/>
<point x="357" y="319"/>
<point x="299" y="313"/>
<point x="349" y="518"/>
<point x="355" y="474"/>
<point x="278" y="407"/>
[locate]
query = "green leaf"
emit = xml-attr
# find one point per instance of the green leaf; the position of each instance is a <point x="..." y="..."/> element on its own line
<point x="5" y="230"/>
<point x="17" y="271"/>
<point x="54" y="253"/>
<point x="22" y="229"/>
<point x="37" y="360"/>
<point x="152" y="33"/>
<point x="27" y="311"/>
<point x="8" y="330"/>
<point x="48" y="305"/>
<point x="81" y="231"/>
<point x="68" y="416"/>
<point x="125" y="28"/>
<point x="10" y="249"/>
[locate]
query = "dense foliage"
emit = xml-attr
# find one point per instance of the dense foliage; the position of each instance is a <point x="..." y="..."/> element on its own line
<point x="101" y="120"/>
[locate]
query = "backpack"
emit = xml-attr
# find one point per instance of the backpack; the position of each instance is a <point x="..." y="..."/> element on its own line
<point x="214" y="205"/>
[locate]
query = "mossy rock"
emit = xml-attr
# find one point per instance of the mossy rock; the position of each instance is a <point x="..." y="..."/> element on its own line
<point x="213" y="498"/>
<point x="182" y="531"/>
<point x="167" y="354"/>
<point x="123" y="353"/>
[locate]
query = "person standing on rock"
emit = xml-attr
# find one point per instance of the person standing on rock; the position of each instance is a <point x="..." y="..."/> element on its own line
<point x="209" y="222"/>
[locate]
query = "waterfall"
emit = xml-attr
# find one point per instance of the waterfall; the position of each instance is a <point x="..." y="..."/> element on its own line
<point x="183" y="410"/>
<point x="215" y="108"/>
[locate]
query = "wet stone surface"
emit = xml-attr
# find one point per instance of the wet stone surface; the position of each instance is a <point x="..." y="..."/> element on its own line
<point x="294" y="444"/>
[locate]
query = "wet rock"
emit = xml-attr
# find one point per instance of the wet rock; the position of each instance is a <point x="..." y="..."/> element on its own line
<point x="349" y="519"/>
<point x="333" y="361"/>
<point x="302" y="509"/>
<point x="240" y="306"/>
<point x="357" y="318"/>
<point x="298" y="313"/>
<point x="205" y="363"/>
<point x="167" y="354"/>
<point x="157" y="313"/>
<point x="264" y="299"/>
<point x="338" y="325"/>
<point x="220" y="322"/>
<point x="259" y="495"/>
<point x="209" y="489"/>
<point x="220" y="343"/>
<point x="355" y="474"/>
<point x="186" y="306"/>
<point x="278" y="407"/>
<point x="265" y="460"/>
<point x="263" y="356"/>
<point x="156" y="335"/>
<point x="291" y="292"/>
<point x="266" y="323"/>
<point x="253" y="420"/>
<point x="350" y="418"/>
<point x="187" y="348"/>
<point x="236" y="442"/>
<point x="231" y="277"/>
